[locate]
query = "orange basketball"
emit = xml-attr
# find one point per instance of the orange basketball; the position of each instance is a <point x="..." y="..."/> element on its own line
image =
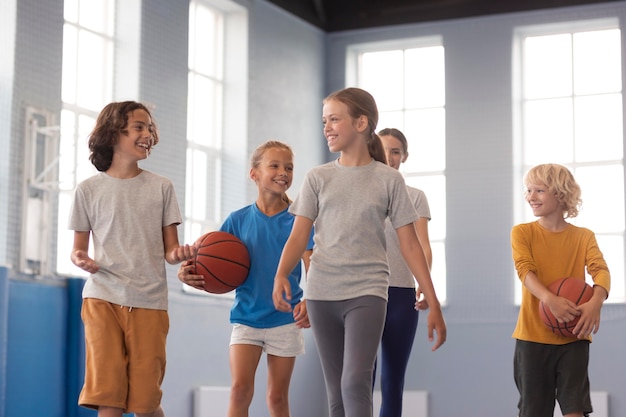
<point x="223" y="260"/>
<point x="576" y="290"/>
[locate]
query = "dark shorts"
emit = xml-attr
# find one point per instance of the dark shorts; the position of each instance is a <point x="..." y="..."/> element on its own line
<point x="544" y="373"/>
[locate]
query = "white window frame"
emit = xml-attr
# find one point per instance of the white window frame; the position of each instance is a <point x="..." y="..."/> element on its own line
<point x="74" y="165"/>
<point x="521" y="210"/>
<point x="415" y="178"/>
<point x="227" y="154"/>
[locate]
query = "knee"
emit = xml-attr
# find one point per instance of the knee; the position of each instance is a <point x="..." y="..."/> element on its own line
<point x="277" y="400"/>
<point x="241" y="393"/>
<point x="156" y="413"/>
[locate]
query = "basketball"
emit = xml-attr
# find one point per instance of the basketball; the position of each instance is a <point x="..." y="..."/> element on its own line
<point x="223" y="260"/>
<point x="573" y="289"/>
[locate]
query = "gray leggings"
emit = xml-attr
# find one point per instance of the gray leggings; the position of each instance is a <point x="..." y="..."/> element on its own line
<point x="347" y="334"/>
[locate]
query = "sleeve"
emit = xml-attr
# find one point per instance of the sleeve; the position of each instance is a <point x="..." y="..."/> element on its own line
<point x="78" y="219"/>
<point x="522" y="253"/>
<point x="228" y="226"/>
<point x="402" y="211"/>
<point x="306" y="202"/>
<point x="421" y="205"/>
<point x="596" y="265"/>
<point x="171" y="211"/>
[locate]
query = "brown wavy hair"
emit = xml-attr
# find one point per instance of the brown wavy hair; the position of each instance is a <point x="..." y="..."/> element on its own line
<point x="113" y="120"/>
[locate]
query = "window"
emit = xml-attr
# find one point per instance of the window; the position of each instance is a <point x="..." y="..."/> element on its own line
<point x="88" y="49"/>
<point x="407" y="80"/>
<point x="570" y="112"/>
<point x="216" y="130"/>
<point x="204" y="120"/>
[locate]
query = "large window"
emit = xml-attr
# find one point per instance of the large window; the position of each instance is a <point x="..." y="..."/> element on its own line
<point x="570" y="112"/>
<point x="216" y="125"/>
<point x="88" y="50"/>
<point x="204" y="120"/>
<point x="407" y="80"/>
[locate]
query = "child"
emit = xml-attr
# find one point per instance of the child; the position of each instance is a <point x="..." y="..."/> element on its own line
<point x="264" y="228"/>
<point x="348" y="200"/>
<point x="546" y="365"/>
<point x="132" y="215"/>
<point x="403" y="301"/>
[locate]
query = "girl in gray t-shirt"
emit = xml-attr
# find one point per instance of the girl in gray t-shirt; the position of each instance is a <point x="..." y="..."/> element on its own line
<point x="348" y="200"/>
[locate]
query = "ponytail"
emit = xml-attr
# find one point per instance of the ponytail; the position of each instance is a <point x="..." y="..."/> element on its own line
<point x="376" y="149"/>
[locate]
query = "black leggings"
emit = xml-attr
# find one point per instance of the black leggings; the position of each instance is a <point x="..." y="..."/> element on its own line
<point x="347" y="334"/>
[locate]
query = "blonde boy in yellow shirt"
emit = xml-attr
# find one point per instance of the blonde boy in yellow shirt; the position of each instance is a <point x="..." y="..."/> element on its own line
<point x="548" y="366"/>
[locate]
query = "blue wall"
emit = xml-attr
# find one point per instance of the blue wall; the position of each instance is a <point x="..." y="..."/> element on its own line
<point x="45" y="348"/>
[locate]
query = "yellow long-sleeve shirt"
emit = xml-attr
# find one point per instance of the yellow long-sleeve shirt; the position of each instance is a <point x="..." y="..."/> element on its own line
<point x="551" y="256"/>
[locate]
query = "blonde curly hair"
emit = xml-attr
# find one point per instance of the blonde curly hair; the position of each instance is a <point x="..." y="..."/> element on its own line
<point x="560" y="182"/>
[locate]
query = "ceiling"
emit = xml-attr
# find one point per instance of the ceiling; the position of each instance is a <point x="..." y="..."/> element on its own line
<point x="339" y="15"/>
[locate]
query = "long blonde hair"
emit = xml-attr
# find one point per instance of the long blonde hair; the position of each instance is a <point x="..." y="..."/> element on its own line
<point x="257" y="156"/>
<point x="361" y="103"/>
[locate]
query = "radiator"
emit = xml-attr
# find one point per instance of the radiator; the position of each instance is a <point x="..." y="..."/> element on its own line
<point x="210" y="401"/>
<point x="599" y="401"/>
<point x="414" y="403"/>
<point x="213" y="402"/>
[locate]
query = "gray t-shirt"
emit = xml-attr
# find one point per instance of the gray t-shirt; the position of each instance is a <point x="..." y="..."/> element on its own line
<point x="126" y="219"/>
<point x="399" y="273"/>
<point x="349" y="206"/>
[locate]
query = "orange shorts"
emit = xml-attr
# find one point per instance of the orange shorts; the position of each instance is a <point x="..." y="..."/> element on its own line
<point x="124" y="356"/>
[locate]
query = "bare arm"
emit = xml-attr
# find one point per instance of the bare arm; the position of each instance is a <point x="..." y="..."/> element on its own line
<point x="421" y="227"/>
<point x="174" y="253"/>
<point x="79" y="255"/>
<point x="292" y="253"/>
<point x="416" y="261"/>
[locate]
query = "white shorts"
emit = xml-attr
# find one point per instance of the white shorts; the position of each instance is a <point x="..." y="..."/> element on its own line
<point x="285" y="341"/>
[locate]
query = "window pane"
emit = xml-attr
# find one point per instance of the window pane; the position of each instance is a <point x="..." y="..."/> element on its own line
<point x="547" y="66"/>
<point x="199" y="175"/>
<point x="205" y="40"/>
<point x="598" y="122"/>
<point x="84" y="167"/>
<point x="425" y="132"/>
<point x="202" y="99"/>
<point x="94" y="62"/>
<point x="391" y="119"/>
<point x="67" y="151"/>
<point x="424" y="81"/>
<point x="597" y="62"/>
<point x="93" y="15"/>
<point x="602" y="211"/>
<point x="583" y="131"/>
<point x="548" y="131"/>
<point x="70" y="48"/>
<point x="70" y="10"/>
<point x="382" y="75"/>
<point x="65" y="239"/>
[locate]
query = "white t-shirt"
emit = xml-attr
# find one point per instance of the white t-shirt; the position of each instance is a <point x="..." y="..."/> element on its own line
<point x="349" y="206"/>
<point x="126" y="219"/>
